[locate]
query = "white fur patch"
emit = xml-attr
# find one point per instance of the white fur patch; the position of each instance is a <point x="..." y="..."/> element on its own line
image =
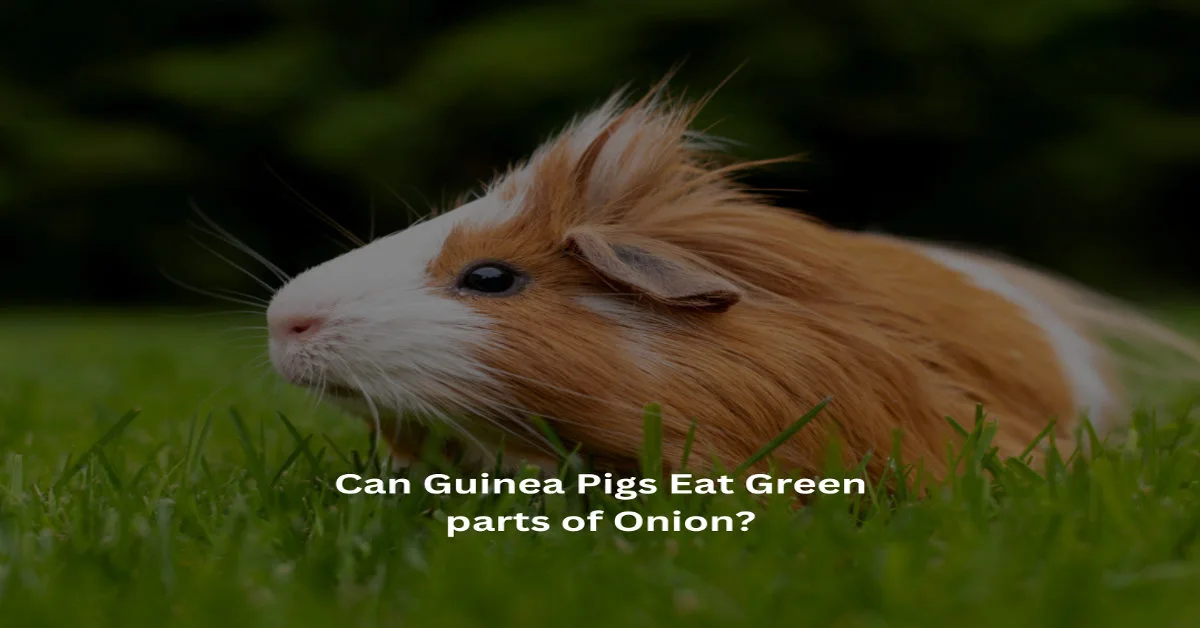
<point x="1075" y="353"/>
<point x="385" y="331"/>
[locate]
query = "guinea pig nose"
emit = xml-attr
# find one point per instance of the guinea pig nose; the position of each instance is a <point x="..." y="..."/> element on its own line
<point x="295" y="326"/>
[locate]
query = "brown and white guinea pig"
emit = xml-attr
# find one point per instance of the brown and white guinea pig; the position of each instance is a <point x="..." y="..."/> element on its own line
<point x="622" y="265"/>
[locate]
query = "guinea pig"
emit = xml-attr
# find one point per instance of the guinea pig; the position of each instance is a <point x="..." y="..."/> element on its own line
<point x="624" y="264"/>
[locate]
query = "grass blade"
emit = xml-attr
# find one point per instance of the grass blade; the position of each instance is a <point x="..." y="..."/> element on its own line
<point x="300" y="450"/>
<point x="687" y="446"/>
<point x="783" y="436"/>
<point x="302" y="440"/>
<point x="652" y="441"/>
<point x="253" y="458"/>
<point x="112" y="433"/>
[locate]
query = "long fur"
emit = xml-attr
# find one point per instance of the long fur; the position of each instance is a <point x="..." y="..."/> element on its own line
<point x="898" y="339"/>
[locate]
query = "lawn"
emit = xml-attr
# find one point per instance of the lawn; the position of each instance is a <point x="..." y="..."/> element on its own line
<point x="208" y="507"/>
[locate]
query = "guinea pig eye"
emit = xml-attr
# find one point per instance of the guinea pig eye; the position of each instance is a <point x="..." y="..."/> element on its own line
<point x="495" y="279"/>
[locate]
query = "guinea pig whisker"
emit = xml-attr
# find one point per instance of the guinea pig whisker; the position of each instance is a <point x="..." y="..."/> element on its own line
<point x="255" y="335"/>
<point x="247" y="343"/>
<point x="252" y="362"/>
<point x="225" y="295"/>
<point x="317" y="211"/>
<point x="370" y="362"/>
<point x="462" y="401"/>
<point x="248" y="297"/>
<point x="423" y="414"/>
<point x="631" y="408"/>
<point x="266" y="286"/>
<point x="549" y="386"/>
<point x="263" y="363"/>
<point x="219" y="232"/>
<point x="543" y="443"/>
<point x="457" y="427"/>
<point x="374" y="410"/>
<point x="465" y="401"/>
<point x="240" y="333"/>
<point x="414" y="217"/>
<point x="526" y="412"/>
<point x="321" y="384"/>
<point x="225" y="313"/>
<point x="371" y="219"/>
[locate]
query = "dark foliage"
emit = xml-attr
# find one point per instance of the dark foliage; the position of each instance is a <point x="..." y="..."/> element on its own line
<point x="1061" y="131"/>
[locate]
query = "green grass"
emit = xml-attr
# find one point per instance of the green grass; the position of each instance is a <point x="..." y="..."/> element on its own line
<point x="186" y="513"/>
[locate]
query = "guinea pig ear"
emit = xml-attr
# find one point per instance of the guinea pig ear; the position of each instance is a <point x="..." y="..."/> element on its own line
<point x="656" y="269"/>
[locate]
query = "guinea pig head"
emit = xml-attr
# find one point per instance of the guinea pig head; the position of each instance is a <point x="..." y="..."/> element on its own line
<point x="547" y="295"/>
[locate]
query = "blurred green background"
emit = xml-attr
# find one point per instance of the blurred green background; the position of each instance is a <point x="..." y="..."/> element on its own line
<point x="1061" y="131"/>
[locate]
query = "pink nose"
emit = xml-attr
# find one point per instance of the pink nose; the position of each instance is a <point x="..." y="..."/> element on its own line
<point x="295" y="327"/>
